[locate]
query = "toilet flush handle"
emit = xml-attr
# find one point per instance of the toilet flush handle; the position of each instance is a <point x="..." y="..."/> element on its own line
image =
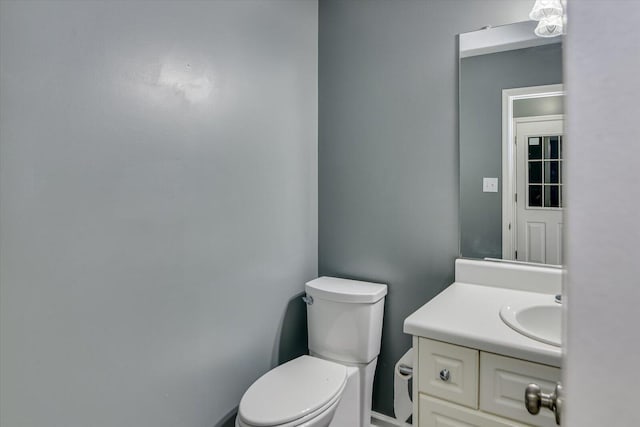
<point x="308" y="299"/>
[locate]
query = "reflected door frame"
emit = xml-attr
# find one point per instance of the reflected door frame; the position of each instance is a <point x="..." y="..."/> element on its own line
<point x="509" y="96"/>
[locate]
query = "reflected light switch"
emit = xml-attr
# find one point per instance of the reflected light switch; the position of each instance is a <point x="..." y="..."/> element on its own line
<point x="490" y="185"/>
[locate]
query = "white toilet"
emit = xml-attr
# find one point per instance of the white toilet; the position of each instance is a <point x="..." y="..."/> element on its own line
<point x="333" y="386"/>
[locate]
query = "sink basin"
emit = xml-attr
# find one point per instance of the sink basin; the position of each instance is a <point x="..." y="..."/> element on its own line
<point x="540" y="322"/>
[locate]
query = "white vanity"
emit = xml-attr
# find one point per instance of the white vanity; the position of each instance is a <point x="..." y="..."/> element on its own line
<point x="470" y="368"/>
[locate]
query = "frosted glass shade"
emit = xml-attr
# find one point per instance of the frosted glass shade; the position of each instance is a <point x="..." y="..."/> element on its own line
<point x="550" y="27"/>
<point x="545" y="9"/>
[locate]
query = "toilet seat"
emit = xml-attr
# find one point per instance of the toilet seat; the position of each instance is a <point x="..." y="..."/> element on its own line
<point x="293" y="393"/>
<point x="324" y="414"/>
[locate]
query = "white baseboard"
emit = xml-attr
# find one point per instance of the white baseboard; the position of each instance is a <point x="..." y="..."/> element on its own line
<point x="381" y="420"/>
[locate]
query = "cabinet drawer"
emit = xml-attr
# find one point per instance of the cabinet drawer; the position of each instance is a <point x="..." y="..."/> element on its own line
<point x="461" y="363"/>
<point x="438" y="413"/>
<point x="502" y="384"/>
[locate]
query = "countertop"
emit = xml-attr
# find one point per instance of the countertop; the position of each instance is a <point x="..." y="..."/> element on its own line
<point x="468" y="315"/>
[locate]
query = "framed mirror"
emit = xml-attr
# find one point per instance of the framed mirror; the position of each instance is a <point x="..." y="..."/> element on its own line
<point x="511" y="135"/>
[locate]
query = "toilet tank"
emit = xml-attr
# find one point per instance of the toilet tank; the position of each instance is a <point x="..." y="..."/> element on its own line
<point x="344" y="319"/>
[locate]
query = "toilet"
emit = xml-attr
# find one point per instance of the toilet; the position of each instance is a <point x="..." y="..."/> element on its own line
<point x="332" y="386"/>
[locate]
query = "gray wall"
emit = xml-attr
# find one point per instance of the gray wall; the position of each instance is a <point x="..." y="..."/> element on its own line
<point x="388" y="151"/>
<point x="482" y="79"/>
<point x="603" y="292"/>
<point x="158" y="205"/>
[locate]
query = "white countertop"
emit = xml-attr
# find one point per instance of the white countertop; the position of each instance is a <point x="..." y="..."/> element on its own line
<point x="468" y="315"/>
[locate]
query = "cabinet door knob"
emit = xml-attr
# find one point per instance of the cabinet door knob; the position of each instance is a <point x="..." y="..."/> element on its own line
<point x="444" y="375"/>
<point x="534" y="399"/>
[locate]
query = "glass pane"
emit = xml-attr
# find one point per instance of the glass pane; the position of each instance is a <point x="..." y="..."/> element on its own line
<point x="560" y="172"/>
<point x="535" y="172"/>
<point x="552" y="196"/>
<point x="560" y="146"/>
<point x="535" y="148"/>
<point x="551" y="150"/>
<point x="552" y="172"/>
<point x="535" y="195"/>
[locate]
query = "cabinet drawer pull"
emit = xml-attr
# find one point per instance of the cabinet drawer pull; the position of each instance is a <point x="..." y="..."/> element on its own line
<point x="444" y="375"/>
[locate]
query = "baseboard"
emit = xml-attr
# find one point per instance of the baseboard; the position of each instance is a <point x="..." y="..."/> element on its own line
<point x="381" y="420"/>
<point x="228" y="420"/>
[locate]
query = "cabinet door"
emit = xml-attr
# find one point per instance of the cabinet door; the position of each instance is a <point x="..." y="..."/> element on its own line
<point x="439" y="413"/>
<point x="461" y="363"/>
<point x="502" y="384"/>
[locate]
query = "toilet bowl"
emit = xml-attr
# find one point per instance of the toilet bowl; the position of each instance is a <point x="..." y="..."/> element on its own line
<point x="331" y="387"/>
<point x="303" y="392"/>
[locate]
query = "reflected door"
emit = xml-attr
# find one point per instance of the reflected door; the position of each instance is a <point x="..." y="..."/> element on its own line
<point x="539" y="198"/>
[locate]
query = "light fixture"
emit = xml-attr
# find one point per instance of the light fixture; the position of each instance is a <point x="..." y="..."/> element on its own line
<point x="546" y="9"/>
<point x="550" y="13"/>
<point x="551" y="26"/>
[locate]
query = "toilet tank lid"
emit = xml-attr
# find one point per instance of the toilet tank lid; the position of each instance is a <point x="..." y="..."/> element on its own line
<point x="345" y="290"/>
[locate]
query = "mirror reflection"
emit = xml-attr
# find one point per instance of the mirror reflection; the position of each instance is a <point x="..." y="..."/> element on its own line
<point x="511" y="116"/>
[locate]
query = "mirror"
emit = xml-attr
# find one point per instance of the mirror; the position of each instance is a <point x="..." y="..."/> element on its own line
<point x="510" y="140"/>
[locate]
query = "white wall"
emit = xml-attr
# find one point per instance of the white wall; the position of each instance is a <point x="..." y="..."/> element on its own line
<point x="158" y="204"/>
<point x="603" y="343"/>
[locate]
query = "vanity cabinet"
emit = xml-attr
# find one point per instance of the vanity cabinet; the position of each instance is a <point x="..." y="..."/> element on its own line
<point x="461" y="386"/>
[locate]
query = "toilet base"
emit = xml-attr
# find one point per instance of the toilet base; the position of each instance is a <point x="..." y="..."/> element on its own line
<point x="354" y="409"/>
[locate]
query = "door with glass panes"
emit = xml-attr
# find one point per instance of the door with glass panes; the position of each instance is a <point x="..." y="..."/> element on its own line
<point x="539" y="189"/>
